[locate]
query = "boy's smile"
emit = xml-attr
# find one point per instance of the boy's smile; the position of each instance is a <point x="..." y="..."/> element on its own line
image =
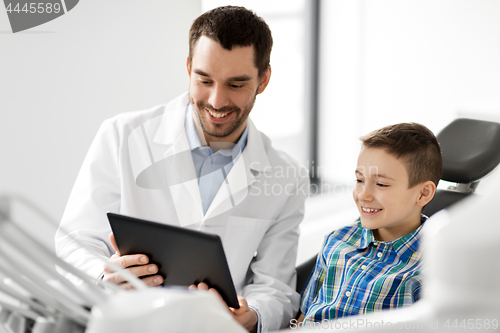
<point x="385" y="203"/>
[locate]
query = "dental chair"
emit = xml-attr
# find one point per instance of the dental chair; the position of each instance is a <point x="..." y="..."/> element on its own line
<point x="471" y="150"/>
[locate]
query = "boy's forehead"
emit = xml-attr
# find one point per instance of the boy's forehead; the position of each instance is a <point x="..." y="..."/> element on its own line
<point x="377" y="162"/>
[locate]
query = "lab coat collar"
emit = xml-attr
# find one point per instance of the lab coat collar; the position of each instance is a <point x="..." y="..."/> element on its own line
<point x="255" y="151"/>
<point x="174" y="114"/>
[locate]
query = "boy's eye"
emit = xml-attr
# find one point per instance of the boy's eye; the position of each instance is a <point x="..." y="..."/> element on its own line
<point x="382" y="185"/>
<point x="359" y="181"/>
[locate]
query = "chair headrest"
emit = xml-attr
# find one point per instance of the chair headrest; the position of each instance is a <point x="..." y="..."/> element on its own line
<point x="471" y="149"/>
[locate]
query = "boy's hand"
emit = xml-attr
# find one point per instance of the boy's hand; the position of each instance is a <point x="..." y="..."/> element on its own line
<point x="137" y="264"/>
<point x="244" y="315"/>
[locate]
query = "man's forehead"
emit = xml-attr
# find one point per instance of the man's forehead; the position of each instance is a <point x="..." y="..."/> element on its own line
<point x="211" y="58"/>
<point x="204" y="39"/>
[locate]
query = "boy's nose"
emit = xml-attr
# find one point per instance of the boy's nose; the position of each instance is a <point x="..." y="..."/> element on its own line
<point x="364" y="194"/>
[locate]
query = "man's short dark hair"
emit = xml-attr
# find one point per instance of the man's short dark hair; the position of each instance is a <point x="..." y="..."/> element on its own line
<point x="415" y="145"/>
<point x="234" y="26"/>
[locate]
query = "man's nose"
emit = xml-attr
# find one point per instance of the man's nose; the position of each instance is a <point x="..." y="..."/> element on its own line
<point x="218" y="97"/>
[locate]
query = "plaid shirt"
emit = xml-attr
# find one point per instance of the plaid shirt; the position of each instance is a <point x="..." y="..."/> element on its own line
<point x="355" y="274"/>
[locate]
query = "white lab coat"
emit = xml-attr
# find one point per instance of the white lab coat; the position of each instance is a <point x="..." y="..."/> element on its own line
<point x="140" y="165"/>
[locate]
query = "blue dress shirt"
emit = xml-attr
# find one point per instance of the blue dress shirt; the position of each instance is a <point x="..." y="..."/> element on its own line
<point x="211" y="168"/>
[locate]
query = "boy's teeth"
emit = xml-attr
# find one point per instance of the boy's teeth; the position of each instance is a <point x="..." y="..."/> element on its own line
<point x="218" y="115"/>
<point x="370" y="210"/>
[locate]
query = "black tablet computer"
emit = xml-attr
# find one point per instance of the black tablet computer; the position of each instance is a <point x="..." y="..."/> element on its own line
<point x="183" y="256"/>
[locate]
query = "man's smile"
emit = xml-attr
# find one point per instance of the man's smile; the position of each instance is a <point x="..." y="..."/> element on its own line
<point x="218" y="115"/>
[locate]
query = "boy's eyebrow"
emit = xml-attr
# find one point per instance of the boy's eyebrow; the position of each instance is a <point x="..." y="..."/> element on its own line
<point x="383" y="176"/>
<point x="377" y="175"/>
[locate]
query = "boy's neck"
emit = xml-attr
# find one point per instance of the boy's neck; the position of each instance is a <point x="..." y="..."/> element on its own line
<point x="391" y="234"/>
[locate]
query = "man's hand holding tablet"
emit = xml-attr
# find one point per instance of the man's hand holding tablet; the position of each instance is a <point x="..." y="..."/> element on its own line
<point x="244" y="315"/>
<point x="137" y="264"/>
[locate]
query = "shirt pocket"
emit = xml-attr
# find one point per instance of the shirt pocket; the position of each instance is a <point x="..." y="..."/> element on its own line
<point x="241" y="240"/>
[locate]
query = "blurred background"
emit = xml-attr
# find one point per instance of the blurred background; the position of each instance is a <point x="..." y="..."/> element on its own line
<point x="340" y="68"/>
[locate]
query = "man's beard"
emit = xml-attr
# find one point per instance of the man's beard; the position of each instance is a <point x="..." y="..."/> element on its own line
<point x="220" y="131"/>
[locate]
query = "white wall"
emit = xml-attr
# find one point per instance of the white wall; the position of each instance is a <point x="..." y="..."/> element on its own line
<point x="390" y="61"/>
<point x="60" y="80"/>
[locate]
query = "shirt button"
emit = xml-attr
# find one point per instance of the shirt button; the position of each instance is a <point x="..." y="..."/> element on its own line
<point x="363" y="267"/>
<point x="348" y="293"/>
<point x="379" y="254"/>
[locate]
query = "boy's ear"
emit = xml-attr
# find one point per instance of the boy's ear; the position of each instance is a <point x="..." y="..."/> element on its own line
<point x="427" y="191"/>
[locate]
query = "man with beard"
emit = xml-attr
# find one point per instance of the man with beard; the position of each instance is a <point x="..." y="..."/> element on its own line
<point x="200" y="163"/>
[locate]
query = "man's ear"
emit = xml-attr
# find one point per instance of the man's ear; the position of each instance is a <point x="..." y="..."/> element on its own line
<point x="427" y="191"/>
<point x="264" y="80"/>
<point x="188" y="66"/>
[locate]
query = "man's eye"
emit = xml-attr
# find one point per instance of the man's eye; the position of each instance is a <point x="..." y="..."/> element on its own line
<point x="236" y="86"/>
<point x="359" y="181"/>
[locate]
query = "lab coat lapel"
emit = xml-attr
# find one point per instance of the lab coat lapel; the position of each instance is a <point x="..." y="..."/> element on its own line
<point x="235" y="187"/>
<point x="178" y="163"/>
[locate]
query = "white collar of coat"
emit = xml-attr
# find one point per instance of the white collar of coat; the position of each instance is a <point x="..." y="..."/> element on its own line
<point x="176" y="139"/>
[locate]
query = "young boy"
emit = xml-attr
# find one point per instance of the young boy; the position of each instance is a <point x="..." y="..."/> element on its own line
<point x="375" y="263"/>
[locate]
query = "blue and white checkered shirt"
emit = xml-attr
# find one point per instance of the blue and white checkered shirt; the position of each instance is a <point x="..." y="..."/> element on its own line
<point x="355" y="274"/>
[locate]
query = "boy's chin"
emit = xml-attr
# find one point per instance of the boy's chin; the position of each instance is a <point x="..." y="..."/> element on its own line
<point x="368" y="223"/>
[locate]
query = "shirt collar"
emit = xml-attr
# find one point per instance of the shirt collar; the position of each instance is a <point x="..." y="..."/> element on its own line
<point x="404" y="246"/>
<point x="192" y="135"/>
<point x="195" y="141"/>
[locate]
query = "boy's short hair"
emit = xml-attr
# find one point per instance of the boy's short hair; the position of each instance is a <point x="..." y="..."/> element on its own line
<point x="234" y="26"/>
<point x="415" y="145"/>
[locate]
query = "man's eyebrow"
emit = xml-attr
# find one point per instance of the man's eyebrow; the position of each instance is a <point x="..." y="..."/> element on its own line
<point x="240" y="78"/>
<point x="359" y="173"/>
<point x="200" y="72"/>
